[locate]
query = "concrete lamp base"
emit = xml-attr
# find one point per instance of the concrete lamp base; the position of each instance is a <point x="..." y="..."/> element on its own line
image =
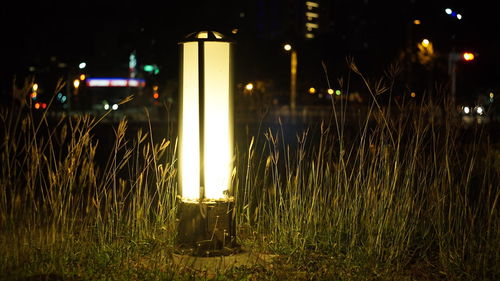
<point x="207" y="228"/>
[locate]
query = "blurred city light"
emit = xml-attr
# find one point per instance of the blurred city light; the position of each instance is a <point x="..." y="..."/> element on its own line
<point x="425" y="51"/>
<point x="338" y="92"/>
<point x="468" y="56"/>
<point x="115" y="106"/>
<point x="148" y="68"/>
<point x="287" y="47"/>
<point x="115" y="82"/>
<point x="312" y="90"/>
<point x="76" y="83"/>
<point x="452" y="13"/>
<point x="82" y="65"/>
<point x="151" y="68"/>
<point x="35" y="87"/>
<point x="82" y="77"/>
<point x="480" y="110"/>
<point x="330" y="91"/>
<point x="417" y="22"/>
<point x="249" y="86"/>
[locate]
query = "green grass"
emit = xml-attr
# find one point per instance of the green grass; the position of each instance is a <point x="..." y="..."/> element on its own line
<point x="402" y="198"/>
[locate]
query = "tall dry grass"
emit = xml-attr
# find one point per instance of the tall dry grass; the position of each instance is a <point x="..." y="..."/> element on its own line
<point x="397" y="188"/>
<point x="410" y="187"/>
<point x="57" y="199"/>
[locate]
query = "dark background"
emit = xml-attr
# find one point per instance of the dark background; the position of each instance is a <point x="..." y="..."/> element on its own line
<point x="374" y="33"/>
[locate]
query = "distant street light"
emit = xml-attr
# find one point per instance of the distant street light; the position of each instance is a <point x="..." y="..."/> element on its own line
<point x="293" y="76"/>
<point x="453" y="58"/>
<point x="425" y="51"/>
<point x="206" y="210"/>
<point x="249" y="86"/>
<point x="468" y="56"/>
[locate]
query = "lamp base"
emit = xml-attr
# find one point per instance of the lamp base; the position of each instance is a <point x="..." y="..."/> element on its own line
<point x="207" y="228"/>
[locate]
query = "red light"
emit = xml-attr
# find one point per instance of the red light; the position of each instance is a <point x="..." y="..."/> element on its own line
<point x="156" y="96"/>
<point x="44" y="105"/>
<point x="468" y="56"/>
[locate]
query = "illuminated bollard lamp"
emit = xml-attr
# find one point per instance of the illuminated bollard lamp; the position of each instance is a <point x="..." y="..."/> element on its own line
<point x="206" y="218"/>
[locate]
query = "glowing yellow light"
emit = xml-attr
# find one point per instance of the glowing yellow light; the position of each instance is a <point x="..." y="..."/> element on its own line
<point x="492" y="95"/>
<point x="37" y="105"/>
<point x="82" y="77"/>
<point x="155" y="88"/>
<point x="468" y="56"/>
<point x="190" y="137"/>
<point x="312" y="4"/>
<point x="417" y="22"/>
<point x="218" y="140"/>
<point x="202" y="35"/>
<point x="234" y="31"/>
<point x="249" y="86"/>
<point x="412" y="94"/>
<point x="425" y="43"/>
<point x="76" y="83"/>
<point x="217" y="35"/>
<point x="287" y="47"/>
<point x="311" y="15"/>
<point x="330" y="91"/>
<point x="35" y="87"/>
<point x="217" y="132"/>
<point x="310" y="26"/>
<point x="312" y="90"/>
<point x="33" y="95"/>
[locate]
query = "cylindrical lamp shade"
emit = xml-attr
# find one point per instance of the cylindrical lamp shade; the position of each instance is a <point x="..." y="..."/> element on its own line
<point x="206" y="135"/>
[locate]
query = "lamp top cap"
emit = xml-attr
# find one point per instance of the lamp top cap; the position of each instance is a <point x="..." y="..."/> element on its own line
<point x="205" y="35"/>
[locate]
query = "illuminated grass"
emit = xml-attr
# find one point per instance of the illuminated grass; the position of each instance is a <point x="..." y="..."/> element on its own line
<point x="402" y="197"/>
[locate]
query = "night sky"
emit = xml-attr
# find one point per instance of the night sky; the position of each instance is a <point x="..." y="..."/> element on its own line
<point x="373" y="32"/>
